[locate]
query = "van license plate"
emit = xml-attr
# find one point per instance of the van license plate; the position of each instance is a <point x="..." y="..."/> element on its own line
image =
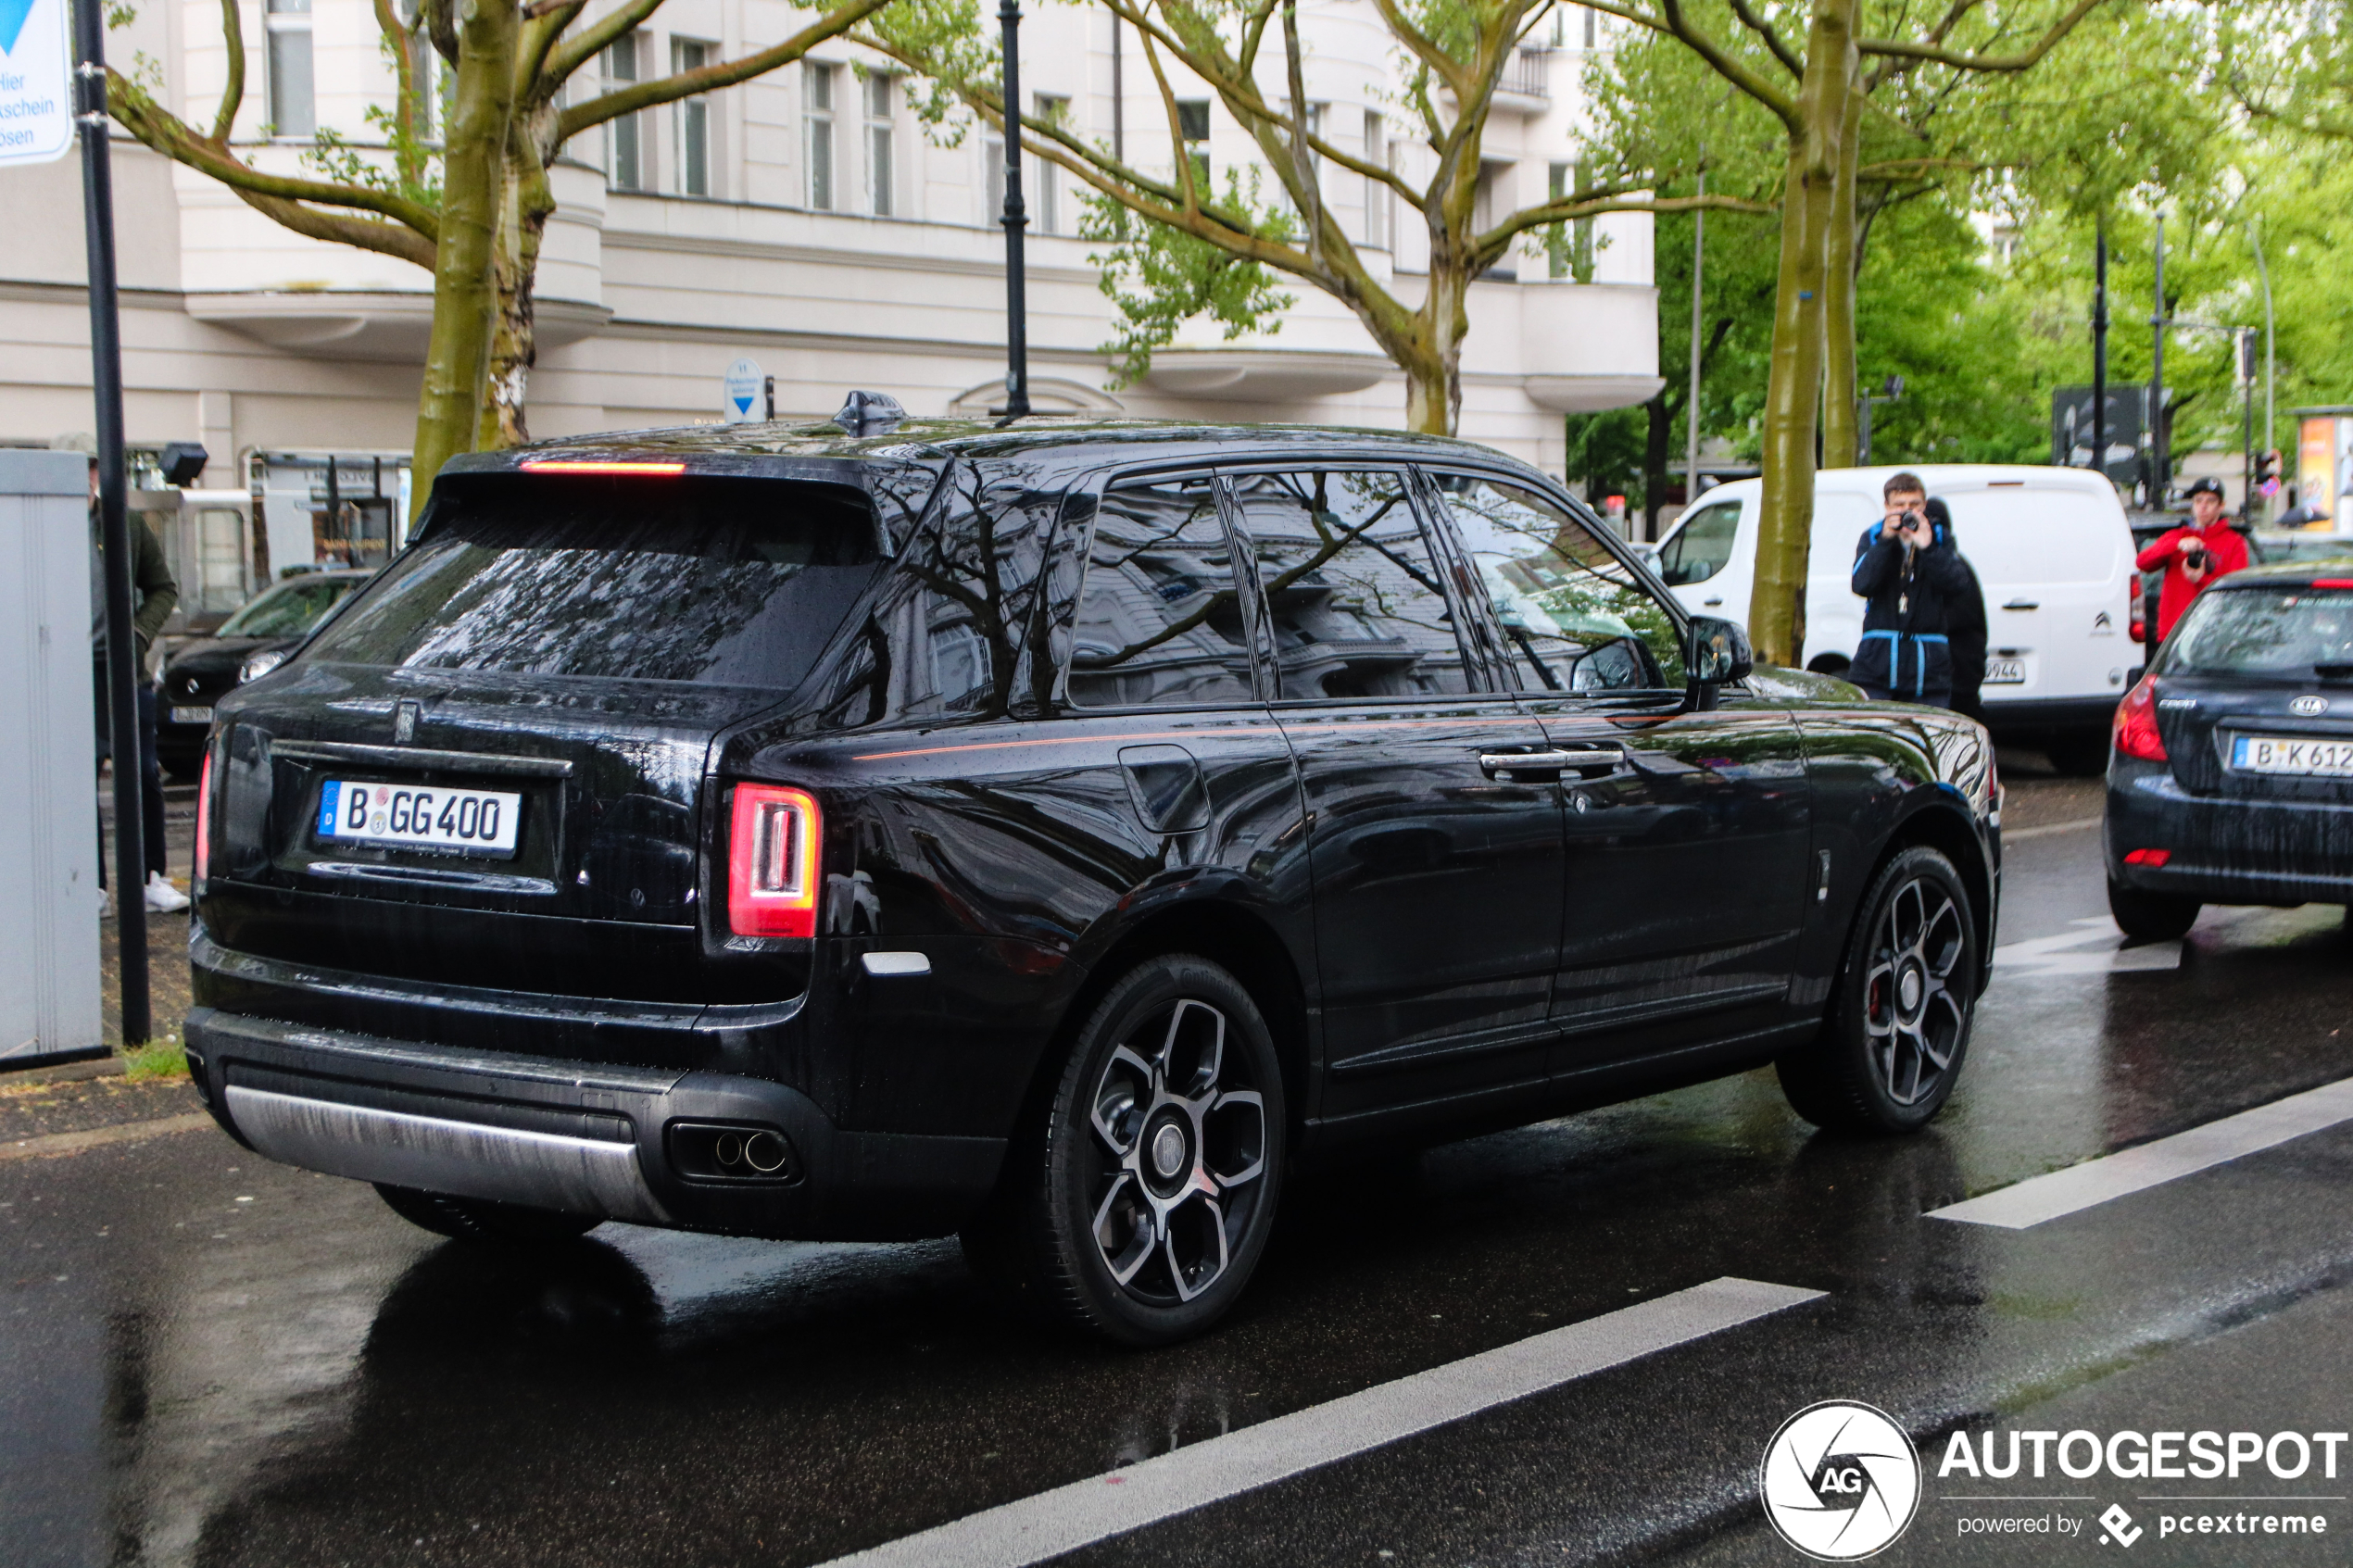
<point x="2006" y="672"/>
<point x="446" y="821"/>
<point x="2278" y="753"/>
<point x="192" y="715"/>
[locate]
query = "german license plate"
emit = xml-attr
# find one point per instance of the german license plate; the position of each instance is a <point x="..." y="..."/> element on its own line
<point x="2006" y="672"/>
<point x="445" y="822"/>
<point x="192" y="715"/>
<point x="2278" y="753"/>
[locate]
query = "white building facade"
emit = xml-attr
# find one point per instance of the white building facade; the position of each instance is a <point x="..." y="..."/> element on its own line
<point x="807" y="221"/>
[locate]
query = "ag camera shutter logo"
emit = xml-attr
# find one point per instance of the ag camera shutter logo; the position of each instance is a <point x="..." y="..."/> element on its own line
<point x="1840" y="1481"/>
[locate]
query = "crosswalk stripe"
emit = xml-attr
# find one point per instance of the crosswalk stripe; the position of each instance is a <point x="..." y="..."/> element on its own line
<point x="1100" y="1506"/>
<point x="2032" y="1202"/>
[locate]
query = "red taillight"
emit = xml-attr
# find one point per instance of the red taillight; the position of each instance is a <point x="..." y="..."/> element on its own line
<point x="2333" y="581"/>
<point x="203" y="822"/>
<point x="2135" y="729"/>
<point x="2140" y="630"/>
<point x="2148" y="856"/>
<point x="772" y="861"/>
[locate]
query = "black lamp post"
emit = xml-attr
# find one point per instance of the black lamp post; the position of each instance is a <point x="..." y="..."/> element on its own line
<point x="1016" y="218"/>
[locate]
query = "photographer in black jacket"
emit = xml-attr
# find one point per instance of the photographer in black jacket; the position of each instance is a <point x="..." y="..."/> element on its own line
<point x="1913" y="579"/>
<point x="1964" y="619"/>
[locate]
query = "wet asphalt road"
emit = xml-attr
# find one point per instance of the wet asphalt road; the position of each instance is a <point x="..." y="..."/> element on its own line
<point x="206" y="1358"/>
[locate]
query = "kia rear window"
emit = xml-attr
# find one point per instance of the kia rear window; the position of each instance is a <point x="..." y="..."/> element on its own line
<point x="2291" y="632"/>
<point x="715" y="581"/>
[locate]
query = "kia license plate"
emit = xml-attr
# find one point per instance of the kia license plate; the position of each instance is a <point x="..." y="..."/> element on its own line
<point x="2006" y="672"/>
<point x="192" y="715"/>
<point x="2278" y="753"/>
<point x="441" y="822"/>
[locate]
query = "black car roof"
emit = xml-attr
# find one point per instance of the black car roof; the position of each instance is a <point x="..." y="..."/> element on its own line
<point x="1091" y="441"/>
<point x="2291" y="573"/>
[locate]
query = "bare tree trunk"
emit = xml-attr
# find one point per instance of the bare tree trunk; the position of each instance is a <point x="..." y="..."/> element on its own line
<point x="1777" y="624"/>
<point x="1434" y="366"/>
<point x="464" y="285"/>
<point x="1842" y="383"/>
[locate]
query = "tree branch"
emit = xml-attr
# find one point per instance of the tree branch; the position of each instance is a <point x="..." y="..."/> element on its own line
<point x="709" y="78"/>
<point x="1759" y="26"/>
<point x="1935" y="54"/>
<point x="232" y="95"/>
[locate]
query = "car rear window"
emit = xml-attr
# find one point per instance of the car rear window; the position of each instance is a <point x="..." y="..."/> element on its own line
<point x="720" y="582"/>
<point x="2291" y="630"/>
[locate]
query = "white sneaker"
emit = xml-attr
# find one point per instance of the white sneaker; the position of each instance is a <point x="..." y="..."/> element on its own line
<point x="162" y="897"/>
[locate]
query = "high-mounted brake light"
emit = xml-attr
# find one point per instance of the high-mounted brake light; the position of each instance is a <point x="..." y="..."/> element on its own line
<point x="585" y="465"/>
<point x="2135" y="727"/>
<point x="773" y="841"/>
<point x="203" y="822"/>
<point x="2333" y="581"/>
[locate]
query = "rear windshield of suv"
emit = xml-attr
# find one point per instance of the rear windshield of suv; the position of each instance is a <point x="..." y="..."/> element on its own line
<point x="721" y="581"/>
<point x="2292" y="631"/>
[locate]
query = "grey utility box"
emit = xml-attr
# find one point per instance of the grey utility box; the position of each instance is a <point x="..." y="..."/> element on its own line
<point x="49" y="744"/>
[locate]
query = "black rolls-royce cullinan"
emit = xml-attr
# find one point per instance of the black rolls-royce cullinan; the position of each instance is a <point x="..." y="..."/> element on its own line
<point x="1050" y="835"/>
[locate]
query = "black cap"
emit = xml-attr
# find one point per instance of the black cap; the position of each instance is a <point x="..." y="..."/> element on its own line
<point x="2209" y="486"/>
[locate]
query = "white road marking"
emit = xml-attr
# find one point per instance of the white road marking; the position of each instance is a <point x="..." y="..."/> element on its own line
<point x="1097" y="1509"/>
<point x="2150" y="1164"/>
<point x="2043" y="956"/>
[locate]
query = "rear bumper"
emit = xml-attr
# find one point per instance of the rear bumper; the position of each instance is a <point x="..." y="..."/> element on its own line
<point x="583" y="1138"/>
<point x="2226" y="849"/>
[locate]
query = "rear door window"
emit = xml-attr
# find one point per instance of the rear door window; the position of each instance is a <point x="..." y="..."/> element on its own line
<point x="1352" y="594"/>
<point x="1575" y="618"/>
<point x="714" y="580"/>
<point x="1159" y="623"/>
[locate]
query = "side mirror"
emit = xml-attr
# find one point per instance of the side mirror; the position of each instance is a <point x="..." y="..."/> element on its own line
<point x="1718" y="652"/>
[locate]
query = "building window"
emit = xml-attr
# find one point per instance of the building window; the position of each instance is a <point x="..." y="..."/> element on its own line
<point x="625" y="145"/>
<point x="1376" y="194"/>
<point x="1592" y="27"/>
<point x="694" y="120"/>
<point x="817" y="116"/>
<point x="992" y="180"/>
<point x="294" y="106"/>
<point x="1192" y="124"/>
<point x="881" y="135"/>
<point x="1047" y="209"/>
<point x="431" y="84"/>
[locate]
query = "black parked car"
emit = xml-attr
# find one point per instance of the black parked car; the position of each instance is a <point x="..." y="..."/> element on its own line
<point x="202" y="669"/>
<point x="1048" y="834"/>
<point x="2232" y="777"/>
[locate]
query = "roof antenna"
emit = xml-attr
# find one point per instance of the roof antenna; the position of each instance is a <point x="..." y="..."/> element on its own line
<point x="870" y="413"/>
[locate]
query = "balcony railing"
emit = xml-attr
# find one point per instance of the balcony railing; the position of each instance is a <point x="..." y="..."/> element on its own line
<point x="1528" y="75"/>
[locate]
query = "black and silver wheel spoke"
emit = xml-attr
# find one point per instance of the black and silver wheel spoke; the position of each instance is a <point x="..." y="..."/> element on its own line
<point x="1178" y="1148"/>
<point x="1913" y="1017"/>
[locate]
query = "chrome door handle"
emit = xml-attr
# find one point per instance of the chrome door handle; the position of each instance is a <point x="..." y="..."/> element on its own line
<point x="2023" y="604"/>
<point x="1554" y="760"/>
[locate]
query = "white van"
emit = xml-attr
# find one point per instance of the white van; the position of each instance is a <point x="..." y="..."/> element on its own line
<point x="2052" y="550"/>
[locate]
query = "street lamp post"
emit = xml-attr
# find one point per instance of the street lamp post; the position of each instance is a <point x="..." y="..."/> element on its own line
<point x="2099" y="347"/>
<point x="1016" y="219"/>
<point x="2160" y="457"/>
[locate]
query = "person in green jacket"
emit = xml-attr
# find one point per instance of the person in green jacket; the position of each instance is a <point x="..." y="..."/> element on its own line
<point x="153" y="596"/>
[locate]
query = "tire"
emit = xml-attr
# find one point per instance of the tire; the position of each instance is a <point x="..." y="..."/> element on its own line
<point x="473" y="1219"/>
<point x="2151" y="917"/>
<point x="2082" y="755"/>
<point x="1882" y="1065"/>
<point x="1138" y="1201"/>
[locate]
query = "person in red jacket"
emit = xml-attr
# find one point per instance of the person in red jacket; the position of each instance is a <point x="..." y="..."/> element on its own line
<point x="2193" y="555"/>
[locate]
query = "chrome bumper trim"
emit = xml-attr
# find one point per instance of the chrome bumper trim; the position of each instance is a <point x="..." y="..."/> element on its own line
<point x="432" y="1154"/>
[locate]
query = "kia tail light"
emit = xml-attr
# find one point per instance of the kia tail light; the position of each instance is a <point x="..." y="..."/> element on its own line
<point x="773" y="840"/>
<point x="2135" y="729"/>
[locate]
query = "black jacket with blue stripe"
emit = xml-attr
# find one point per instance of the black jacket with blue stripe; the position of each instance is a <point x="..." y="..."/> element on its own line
<point x="1912" y="598"/>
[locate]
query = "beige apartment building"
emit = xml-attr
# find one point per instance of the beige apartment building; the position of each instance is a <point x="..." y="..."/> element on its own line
<point x="806" y="221"/>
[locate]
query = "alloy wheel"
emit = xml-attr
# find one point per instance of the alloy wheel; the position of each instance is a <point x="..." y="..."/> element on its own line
<point x="1180" y="1149"/>
<point x="1914" y="1018"/>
